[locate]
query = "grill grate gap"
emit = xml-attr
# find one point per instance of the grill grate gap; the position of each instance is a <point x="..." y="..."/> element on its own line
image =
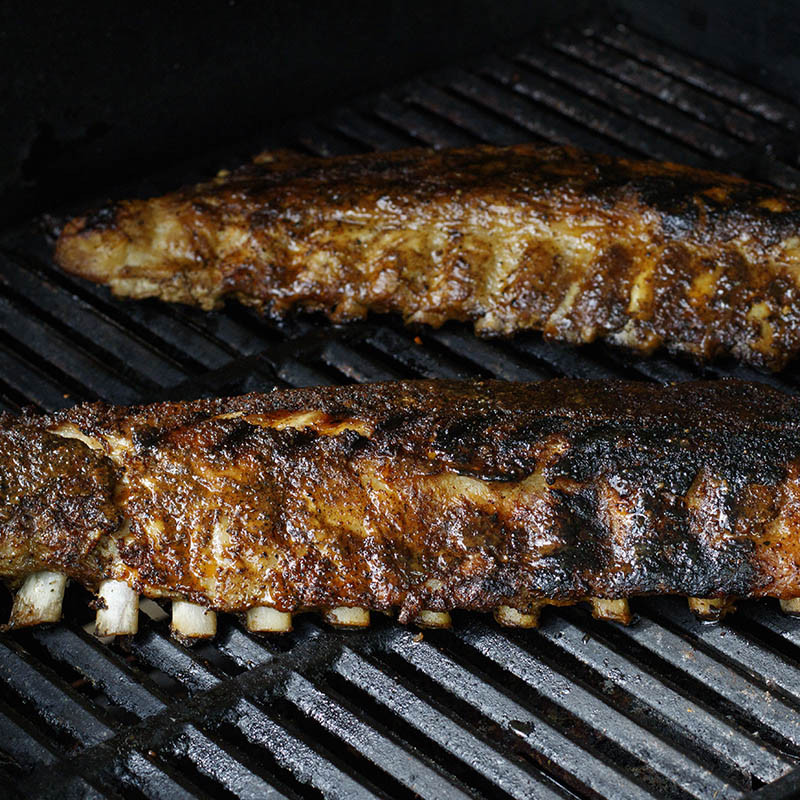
<point x="548" y="118"/>
<point x="629" y="102"/>
<point x="13" y="400"/>
<point x="50" y="702"/>
<point x="101" y="704"/>
<point x="428" y="128"/>
<point x="719" y="643"/>
<point x="138" y="318"/>
<point x="601" y="743"/>
<point x="685" y="684"/>
<point x="267" y="764"/>
<point x="180" y="762"/>
<point x="257" y="761"/>
<point x="108" y="375"/>
<point x="152" y="776"/>
<point x="581" y="128"/>
<point x="484" y="123"/>
<point x="755" y="630"/>
<point x="713" y="80"/>
<point x="601" y="115"/>
<point x="650" y="718"/>
<point x="322" y="740"/>
<point x="672" y="91"/>
<point x="62" y="387"/>
<point x="407" y="735"/>
<point x="72" y="318"/>
<point x="25" y="746"/>
<point x="168" y="683"/>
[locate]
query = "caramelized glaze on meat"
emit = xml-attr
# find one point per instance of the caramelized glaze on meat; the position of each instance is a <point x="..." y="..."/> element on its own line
<point x="582" y="247"/>
<point x="413" y="495"/>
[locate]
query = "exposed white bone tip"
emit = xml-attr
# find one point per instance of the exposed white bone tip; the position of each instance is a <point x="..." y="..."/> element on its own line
<point x="711" y="609"/>
<point x="120" y="617"/>
<point x="39" y="599"/>
<point x="346" y="617"/>
<point x="263" y="619"/>
<point x="152" y="609"/>
<point x="791" y="606"/>
<point x="511" y="618"/>
<point x="191" y="621"/>
<point x="613" y="610"/>
<point x="433" y="619"/>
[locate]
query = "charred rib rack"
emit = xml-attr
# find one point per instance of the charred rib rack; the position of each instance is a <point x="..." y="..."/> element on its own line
<point x="583" y="247"/>
<point x="420" y="497"/>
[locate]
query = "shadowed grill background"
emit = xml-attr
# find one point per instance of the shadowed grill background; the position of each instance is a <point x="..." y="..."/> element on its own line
<point x="668" y="708"/>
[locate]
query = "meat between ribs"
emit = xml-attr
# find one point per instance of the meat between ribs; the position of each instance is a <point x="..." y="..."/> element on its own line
<point x="413" y="496"/>
<point x="583" y="247"/>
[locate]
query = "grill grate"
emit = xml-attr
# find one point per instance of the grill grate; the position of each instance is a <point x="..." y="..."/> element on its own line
<point x="668" y="708"/>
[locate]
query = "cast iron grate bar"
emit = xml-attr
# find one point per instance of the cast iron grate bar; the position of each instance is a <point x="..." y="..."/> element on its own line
<point x="630" y="134"/>
<point x="295" y="755"/>
<point x="697" y="73"/>
<point x="499" y="95"/>
<point x="578" y="709"/>
<point x="671" y="91"/>
<point x="555" y="749"/>
<point x="631" y="103"/>
<point x="644" y="742"/>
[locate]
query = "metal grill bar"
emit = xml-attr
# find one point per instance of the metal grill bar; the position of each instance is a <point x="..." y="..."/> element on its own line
<point x="31" y="385"/>
<point x="216" y="762"/>
<point x="85" y="654"/>
<point x="152" y="781"/>
<point x="723" y="681"/>
<point x="632" y="135"/>
<point x="404" y="767"/>
<point x="784" y="627"/>
<point x="671" y="92"/>
<point x="308" y="765"/>
<point x="61" y="708"/>
<point x="536" y="119"/>
<point x="657" y="754"/>
<point x="485" y="127"/>
<point x="701" y="725"/>
<point x="748" y="655"/>
<point x="22" y="750"/>
<point x="698" y="73"/>
<point x="426" y="128"/>
<point x="161" y="652"/>
<point x="555" y="749"/>
<point x="374" y="133"/>
<point x="414" y="357"/>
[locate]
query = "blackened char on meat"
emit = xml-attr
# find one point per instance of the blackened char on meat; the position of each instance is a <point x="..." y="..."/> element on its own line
<point x="583" y="247"/>
<point x="414" y="495"/>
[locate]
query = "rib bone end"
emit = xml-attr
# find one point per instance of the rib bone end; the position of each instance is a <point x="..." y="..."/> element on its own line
<point x="191" y="621"/>
<point x="39" y="600"/>
<point x="263" y="619"/>
<point x="791" y="606"/>
<point x="611" y="610"/>
<point x="711" y="609"/>
<point x="511" y="618"/>
<point x="434" y="619"/>
<point x="345" y="617"/>
<point x="120" y="617"/>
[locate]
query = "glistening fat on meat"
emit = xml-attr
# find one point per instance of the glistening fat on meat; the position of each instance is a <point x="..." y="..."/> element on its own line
<point x="412" y="497"/>
<point x="583" y="247"/>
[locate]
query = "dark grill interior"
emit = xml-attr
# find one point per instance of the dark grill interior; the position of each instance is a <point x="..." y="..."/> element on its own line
<point x="668" y="708"/>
